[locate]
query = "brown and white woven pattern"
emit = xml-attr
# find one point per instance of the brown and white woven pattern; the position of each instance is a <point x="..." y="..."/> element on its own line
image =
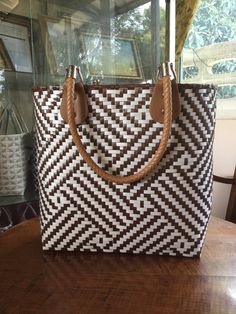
<point x="165" y="213"/>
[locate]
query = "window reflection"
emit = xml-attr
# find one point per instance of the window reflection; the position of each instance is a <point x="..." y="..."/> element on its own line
<point x="114" y="41"/>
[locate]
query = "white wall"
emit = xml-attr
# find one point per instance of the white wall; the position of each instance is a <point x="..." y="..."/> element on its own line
<point x="224" y="163"/>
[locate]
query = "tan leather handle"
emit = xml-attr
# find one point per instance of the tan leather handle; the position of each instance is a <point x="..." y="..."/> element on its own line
<point x="70" y="84"/>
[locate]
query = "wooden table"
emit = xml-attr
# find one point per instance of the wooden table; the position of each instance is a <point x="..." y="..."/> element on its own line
<point x="33" y="282"/>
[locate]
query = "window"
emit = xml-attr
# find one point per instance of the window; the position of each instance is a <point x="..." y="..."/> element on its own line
<point x="112" y="41"/>
<point x="209" y="55"/>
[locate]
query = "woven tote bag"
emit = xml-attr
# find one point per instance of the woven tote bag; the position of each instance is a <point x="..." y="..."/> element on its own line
<point x="15" y="144"/>
<point x="163" y="212"/>
<point x="14" y="158"/>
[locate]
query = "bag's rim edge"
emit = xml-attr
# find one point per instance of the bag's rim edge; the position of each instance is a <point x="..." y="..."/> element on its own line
<point x="123" y="86"/>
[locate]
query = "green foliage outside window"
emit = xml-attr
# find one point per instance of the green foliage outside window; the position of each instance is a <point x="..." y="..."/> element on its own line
<point x="215" y="22"/>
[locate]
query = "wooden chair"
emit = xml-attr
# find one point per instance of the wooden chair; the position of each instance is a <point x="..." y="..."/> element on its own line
<point x="231" y="208"/>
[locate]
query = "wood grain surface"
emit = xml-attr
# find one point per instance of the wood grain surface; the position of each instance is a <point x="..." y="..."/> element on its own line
<point x="33" y="282"/>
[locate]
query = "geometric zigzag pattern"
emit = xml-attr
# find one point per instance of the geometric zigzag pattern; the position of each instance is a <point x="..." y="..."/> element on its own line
<point x="166" y="213"/>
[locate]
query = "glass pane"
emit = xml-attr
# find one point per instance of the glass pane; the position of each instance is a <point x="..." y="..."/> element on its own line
<point x="16" y="112"/>
<point x="209" y="53"/>
<point x="112" y="41"/>
<point x="16" y="71"/>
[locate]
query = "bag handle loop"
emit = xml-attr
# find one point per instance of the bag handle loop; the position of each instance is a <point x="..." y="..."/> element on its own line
<point x="167" y="95"/>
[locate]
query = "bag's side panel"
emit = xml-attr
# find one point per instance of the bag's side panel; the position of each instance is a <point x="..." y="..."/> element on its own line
<point x="166" y="213"/>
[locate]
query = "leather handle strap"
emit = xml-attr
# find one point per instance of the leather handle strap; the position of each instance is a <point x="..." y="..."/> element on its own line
<point x="70" y="84"/>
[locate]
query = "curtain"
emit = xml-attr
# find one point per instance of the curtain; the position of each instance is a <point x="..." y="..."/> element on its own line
<point x="185" y="11"/>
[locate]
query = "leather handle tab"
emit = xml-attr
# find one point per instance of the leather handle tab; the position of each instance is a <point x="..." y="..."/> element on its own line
<point x="151" y="165"/>
<point x="157" y="102"/>
<point x="80" y="104"/>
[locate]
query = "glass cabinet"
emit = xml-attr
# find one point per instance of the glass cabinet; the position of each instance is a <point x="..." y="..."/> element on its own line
<point x="113" y="41"/>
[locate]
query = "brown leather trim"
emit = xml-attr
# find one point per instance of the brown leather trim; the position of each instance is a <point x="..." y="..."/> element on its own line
<point x="96" y="87"/>
<point x="80" y="104"/>
<point x="157" y="102"/>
